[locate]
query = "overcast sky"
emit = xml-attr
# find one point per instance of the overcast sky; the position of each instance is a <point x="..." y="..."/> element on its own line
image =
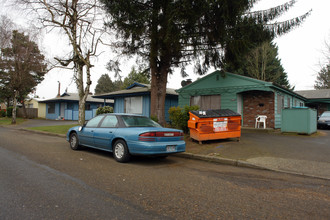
<point x="300" y="50"/>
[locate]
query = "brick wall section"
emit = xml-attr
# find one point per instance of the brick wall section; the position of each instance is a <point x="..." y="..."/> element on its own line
<point x="258" y="103"/>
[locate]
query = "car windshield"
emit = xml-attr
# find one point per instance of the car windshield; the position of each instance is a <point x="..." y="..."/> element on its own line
<point x="138" y="121"/>
<point x="325" y="114"/>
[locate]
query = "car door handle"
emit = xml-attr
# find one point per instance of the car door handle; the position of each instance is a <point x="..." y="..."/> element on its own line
<point x="110" y="132"/>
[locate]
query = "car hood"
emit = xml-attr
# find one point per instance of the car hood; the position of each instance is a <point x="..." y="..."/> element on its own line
<point x="74" y="129"/>
<point x="324" y="118"/>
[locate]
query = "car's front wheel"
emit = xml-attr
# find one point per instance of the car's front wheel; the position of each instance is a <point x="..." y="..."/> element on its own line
<point x="120" y="151"/>
<point x="74" y="141"/>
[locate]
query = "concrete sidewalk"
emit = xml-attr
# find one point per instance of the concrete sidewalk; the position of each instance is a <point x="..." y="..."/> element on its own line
<point x="257" y="148"/>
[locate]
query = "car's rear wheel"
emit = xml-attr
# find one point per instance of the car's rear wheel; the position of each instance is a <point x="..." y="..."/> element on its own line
<point x="74" y="141"/>
<point x="120" y="151"/>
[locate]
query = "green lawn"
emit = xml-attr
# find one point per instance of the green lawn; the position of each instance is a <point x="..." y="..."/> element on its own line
<point x="7" y="121"/>
<point x="57" y="129"/>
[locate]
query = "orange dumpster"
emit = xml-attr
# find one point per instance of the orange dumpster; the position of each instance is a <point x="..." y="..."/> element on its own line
<point x="214" y="124"/>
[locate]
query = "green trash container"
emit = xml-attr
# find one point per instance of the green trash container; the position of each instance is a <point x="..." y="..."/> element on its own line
<point x="300" y="120"/>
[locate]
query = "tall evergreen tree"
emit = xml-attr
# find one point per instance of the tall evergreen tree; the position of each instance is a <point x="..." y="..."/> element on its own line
<point x="23" y="67"/>
<point x="263" y="63"/>
<point x="257" y="28"/>
<point x="104" y="85"/>
<point x="172" y="33"/>
<point x="323" y="78"/>
<point x="135" y="76"/>
<point x="6" y="26"/>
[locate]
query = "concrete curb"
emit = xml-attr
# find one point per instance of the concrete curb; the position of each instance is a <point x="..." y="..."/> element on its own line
<point x="43" y="132"/>
<point x="220" y="160"/>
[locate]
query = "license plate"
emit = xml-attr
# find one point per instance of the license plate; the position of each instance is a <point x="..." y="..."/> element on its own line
<point x="170" y="148"/>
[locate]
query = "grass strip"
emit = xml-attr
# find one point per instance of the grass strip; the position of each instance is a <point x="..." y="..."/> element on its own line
<point x="7" y="121"/>
<point x="56" y="129"/>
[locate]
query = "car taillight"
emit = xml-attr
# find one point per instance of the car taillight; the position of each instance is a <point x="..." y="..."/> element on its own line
<point x="151" y="136"/>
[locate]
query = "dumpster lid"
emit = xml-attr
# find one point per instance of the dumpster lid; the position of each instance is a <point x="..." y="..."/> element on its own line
<point x="215" y="113"/>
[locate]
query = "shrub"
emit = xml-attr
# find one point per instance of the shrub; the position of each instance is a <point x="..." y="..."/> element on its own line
<point x="179" y="116"/>
<point x="9" y="112"/>
<point x="103" y="110"/>
<point x="3" y="113"/>
<point x="154" y="118"/>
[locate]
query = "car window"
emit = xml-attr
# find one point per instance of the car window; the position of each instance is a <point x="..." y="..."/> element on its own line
<point x="325" y="114"/>
<point x="109" y="121"/>
<point x="138" y="121"/>
<point x="94" y="122"/>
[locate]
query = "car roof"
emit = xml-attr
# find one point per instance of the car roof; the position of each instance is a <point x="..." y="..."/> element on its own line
<point x="126" y="114"/>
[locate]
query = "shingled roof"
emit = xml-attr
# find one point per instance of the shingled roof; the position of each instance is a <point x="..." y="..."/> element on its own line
<point x="75" y="97"/>
<point x="315" y="94"/>
<point x="134" y="89"/>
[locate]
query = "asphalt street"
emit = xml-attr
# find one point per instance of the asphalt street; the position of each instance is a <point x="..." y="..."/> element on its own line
<point x="42" y="178"/>
<point x="30" y="190"/>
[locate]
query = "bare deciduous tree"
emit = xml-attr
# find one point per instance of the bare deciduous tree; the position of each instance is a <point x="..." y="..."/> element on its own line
<point x="6" y="26"/>
<point x="323" y="76"/>
<point x="79" y="20"/>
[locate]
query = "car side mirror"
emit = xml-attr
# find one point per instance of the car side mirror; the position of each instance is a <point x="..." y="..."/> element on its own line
<point x="81" y="127"/>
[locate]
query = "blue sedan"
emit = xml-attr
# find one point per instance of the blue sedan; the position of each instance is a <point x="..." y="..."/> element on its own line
<point x="126" y="135"/>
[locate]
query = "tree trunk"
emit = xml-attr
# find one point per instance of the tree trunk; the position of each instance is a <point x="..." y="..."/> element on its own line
<point x="264" y="50"/>
<point x="82" y="105"/>
<point x="81" y="119"/>
<point x="13" y="120"/>
<point x="8" y="102"/>
<point x="83" y="93"/>
<point x="24" y="109"/>
<point x="158" y="94"/>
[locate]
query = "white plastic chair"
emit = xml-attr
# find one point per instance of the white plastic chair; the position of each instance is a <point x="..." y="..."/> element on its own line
<point x="261" y="119"/>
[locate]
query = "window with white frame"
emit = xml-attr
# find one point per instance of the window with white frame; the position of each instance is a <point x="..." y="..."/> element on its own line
<point x="133" y="105"/>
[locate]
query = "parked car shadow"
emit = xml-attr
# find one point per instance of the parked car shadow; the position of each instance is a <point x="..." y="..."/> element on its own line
<point x="136" y="159"/>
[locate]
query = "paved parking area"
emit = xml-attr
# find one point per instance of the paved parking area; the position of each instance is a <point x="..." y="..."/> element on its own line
<point x="308" y="155"/>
